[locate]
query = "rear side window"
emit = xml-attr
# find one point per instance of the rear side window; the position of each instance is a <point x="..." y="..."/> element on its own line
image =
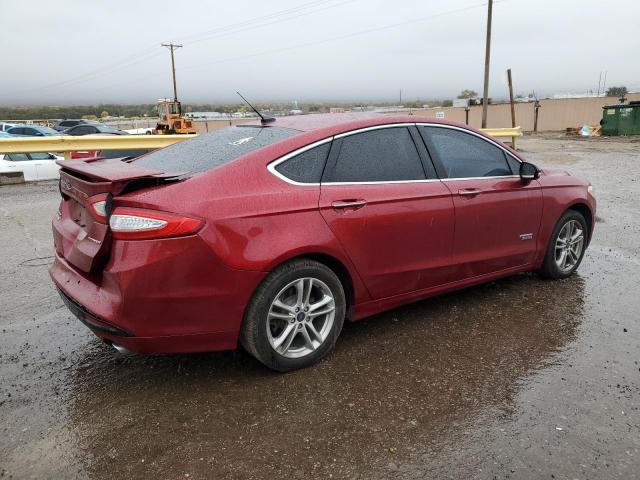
<point x="463" y="155"/>
<point x="211" y="150"/>
<point x="306" y="167"/>
<point x="381" y="155"/>
<point x="17" y="157"/>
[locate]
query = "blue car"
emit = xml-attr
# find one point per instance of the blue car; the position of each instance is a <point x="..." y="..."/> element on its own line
<point x="32" y="131"/>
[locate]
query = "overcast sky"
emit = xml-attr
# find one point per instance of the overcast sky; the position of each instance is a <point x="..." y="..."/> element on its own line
<point x="81" y="51"/>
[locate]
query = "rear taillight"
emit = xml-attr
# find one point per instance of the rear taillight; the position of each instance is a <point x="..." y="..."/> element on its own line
<point x="140" y="224"/>
<point x="98" y="207"/>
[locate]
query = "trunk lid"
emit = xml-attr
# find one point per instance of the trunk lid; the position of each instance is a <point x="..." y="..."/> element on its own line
<point x="79" y="237"/>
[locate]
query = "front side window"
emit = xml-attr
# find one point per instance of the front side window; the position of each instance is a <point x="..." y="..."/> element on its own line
<point x="381" y="155"/>
<point x="464" y="155"/>
<point x="41" y="156"/>
<point x="81" y="130"/>
<point x="306" y="167"/>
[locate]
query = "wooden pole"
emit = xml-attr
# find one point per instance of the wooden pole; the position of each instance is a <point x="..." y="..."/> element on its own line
<point x="513" y="106"/>
<point x="487" y="59"/>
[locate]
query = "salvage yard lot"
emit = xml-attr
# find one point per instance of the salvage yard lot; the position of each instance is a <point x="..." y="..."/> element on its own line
<point x="520" y="378"/>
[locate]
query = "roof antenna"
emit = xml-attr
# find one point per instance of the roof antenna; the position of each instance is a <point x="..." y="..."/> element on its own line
<point x="263" y="119"/>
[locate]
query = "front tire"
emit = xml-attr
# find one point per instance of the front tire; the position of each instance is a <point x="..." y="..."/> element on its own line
<point x="566" y="246"/>
<point x="295" y="316"/>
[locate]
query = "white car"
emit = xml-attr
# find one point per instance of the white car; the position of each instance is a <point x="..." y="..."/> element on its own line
<point x="35" y="166"/>
<point x="141" y="131"/>
<point x="4" y="126"/>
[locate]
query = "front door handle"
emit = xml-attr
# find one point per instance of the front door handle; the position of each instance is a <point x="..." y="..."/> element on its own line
<point x="340" y="204"/>
<point x="469" y="192"/>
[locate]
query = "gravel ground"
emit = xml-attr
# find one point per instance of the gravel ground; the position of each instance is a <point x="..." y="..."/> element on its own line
<point x="519" y="378"/>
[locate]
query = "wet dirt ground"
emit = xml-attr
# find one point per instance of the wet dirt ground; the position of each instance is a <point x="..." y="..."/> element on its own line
<point x="519" y="378"/>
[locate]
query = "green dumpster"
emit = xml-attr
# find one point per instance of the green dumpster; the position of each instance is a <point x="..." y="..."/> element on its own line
<point x="622" y="119"/>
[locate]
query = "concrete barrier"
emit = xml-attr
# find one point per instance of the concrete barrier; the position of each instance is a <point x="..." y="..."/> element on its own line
<point x="11" y="178"/>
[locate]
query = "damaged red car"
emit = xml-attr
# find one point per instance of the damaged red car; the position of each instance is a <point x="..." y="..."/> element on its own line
<point x="272" y="235"/>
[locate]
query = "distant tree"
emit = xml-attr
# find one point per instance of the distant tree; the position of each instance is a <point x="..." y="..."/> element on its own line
<point x="617" y="91"/>
<point x="89" y="117"/>
<point x="447" y="103"/>
<point x="104" y="114"/>
<point x="467" y="94"/>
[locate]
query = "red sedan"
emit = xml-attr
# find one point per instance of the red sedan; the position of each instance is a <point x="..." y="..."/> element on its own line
<point x="274" y="234"/>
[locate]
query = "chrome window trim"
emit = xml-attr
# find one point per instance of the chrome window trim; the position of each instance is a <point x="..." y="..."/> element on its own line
<point x="272" y="166"/>
<point x="477" y="178"/>
<point x="426" y="180"/>
<point x="375" y="127"/>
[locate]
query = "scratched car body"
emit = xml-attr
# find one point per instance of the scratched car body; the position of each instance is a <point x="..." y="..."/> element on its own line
<point x="272" y="235"/>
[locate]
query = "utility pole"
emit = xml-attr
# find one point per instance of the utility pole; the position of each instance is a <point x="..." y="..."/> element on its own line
<point x="487" y="58"/>
<point x="513" y="107"/>
<point x="172" y="47"/>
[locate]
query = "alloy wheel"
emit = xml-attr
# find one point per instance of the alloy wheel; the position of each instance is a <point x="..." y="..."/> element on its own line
<point x="300" y="317"/>
<point x="569" y="245"/>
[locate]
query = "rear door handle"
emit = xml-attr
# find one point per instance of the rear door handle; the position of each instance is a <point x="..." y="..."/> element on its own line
<point x="340" y="204"/>
<point x="469" y="192"/>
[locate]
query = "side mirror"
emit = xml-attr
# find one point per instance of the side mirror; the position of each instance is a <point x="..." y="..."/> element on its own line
<point x="528" y="172"/>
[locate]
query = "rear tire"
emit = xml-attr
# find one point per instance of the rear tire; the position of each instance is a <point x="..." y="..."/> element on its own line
<point x="295" y="316"/>
<point x="566" y="246"/>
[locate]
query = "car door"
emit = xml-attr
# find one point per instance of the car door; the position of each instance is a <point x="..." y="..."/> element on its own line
<point x="46" y="166"/>
<point x="391" y="214"/>
<point x="497" y="214"/>
<point x="22" y="162"/>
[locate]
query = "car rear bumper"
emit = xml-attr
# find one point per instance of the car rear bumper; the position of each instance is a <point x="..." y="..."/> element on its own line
<point x="152" y="298"/>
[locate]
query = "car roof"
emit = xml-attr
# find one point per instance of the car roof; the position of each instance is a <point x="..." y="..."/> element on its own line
<point x="314" y="127"/>
<point x="335" y="123"/>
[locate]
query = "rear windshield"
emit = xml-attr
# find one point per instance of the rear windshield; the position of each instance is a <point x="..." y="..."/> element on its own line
<point x="211" y="150"/>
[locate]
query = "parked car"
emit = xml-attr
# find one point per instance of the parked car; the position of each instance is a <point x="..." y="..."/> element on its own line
<point x="272" y="235"/>
<point x="93" y="130"/>
<point x="72" y="122"/>
<point x="6" y="126"/>
<point x="32" y="131"/>
<point x="141" y="131"/>
<point x="5" y="135"/>
<point x="35" y="166"/>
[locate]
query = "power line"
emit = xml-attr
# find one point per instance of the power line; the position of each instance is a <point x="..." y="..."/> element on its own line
<point x="150" y="52"/>
<point x="204" y="35"/>
<point x="326" y="40"/>
<point x="339" y="37"/>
